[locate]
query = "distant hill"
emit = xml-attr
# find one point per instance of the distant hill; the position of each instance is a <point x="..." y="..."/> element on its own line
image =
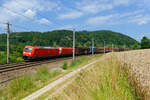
<point x="64" y="38"/>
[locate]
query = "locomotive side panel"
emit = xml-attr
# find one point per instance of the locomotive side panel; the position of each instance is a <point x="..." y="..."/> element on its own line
<point x="47" y="52"/>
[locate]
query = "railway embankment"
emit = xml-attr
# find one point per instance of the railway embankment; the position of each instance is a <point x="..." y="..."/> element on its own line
<point x="43" y="75"/>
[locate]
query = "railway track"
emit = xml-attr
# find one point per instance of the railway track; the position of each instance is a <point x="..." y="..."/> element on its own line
<point x="17" y="66"/>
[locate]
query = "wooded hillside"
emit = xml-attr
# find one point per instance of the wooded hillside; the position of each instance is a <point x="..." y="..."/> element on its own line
<point x="64" y="38"/>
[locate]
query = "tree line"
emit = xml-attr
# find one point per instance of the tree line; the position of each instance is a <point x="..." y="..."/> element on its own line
<point x="144" y="44"/>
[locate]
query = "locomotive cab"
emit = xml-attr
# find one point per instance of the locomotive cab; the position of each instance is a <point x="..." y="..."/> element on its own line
<point x="28" y="53"/>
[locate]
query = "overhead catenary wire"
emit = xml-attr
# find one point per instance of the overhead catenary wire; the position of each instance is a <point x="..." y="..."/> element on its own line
<point x="36" y="21"/>
<point x="22" y="5"/>
<point x="20" y="14"/>
<point x="33" y="20"/>
<point x="21" y="27"/>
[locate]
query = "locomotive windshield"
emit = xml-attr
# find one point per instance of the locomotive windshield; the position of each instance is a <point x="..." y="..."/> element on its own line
<point x="28" y="49"/>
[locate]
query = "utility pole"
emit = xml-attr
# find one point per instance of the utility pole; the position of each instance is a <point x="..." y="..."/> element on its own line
<point x="92" y="46"/>
<point x="8" y="32"/>
<point x="73" y="44"/>
<point x="124" y="47"/>
<point x="104" y="47"/>
<point x="112" y="47"/>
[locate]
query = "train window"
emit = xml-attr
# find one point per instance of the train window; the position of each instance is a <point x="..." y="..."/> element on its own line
<point x="28" y="49"/>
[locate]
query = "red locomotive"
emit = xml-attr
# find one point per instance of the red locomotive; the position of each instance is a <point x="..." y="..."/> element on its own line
<point x="36" y="52"/>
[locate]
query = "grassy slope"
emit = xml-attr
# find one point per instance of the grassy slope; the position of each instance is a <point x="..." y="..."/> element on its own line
<point x="24" y="86"/>
<point x="105" y="81"/>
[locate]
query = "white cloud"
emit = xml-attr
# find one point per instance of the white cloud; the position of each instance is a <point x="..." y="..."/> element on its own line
<point x="120" y="18"/>
<point x="93" y="6"/>
<point x="44" y="21"/>
<point x="29" y="13"/>
<point x="99" y="20"/>
<point x="121" y="2"/>
<point x="68" y="27"/>
<point x="130" y="13"/>
<point x="96" y="6"/>
<point x="28" y="8"/>
<point x="139" y="19"/>
<point x="70" y="15"/>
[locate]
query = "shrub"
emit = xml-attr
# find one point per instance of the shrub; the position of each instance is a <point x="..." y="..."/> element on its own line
<point x="19" y="59"/>
<point x="13" y="58"/>
<point x="3" y="58"/>
<point x="65" y="65"/>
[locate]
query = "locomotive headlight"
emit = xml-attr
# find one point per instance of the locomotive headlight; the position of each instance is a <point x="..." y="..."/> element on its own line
<point x="29" y="53"/>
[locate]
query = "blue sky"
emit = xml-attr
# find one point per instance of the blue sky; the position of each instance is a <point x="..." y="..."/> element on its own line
<point x="130" y="17"/>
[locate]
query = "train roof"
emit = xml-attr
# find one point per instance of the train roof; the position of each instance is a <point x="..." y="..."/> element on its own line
<point x="64" y="47"/>
<point x="46" y="47"/>
<point x="42" y="47"/>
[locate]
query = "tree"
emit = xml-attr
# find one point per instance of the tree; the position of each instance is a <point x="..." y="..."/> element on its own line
<point x="19" y="49"/>
<point x="54" y="44"/>
<point x="145" y="43"/>
<point x="136" y="46"/>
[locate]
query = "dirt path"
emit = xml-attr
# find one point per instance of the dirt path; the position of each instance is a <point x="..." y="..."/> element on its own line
<point x="57" y="82"/>
<point x="60" y="89"/>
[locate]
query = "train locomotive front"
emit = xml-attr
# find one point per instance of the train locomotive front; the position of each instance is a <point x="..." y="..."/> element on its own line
<point x="29" y="52"/>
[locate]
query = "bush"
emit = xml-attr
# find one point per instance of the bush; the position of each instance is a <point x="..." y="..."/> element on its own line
<point x="19" y="59"/>
<point x="3" y="58"/>
<point x="13" y="58"/>
<point x="65" y="65"/>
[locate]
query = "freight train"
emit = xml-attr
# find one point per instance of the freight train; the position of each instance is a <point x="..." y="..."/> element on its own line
<point x="39" y="52"/>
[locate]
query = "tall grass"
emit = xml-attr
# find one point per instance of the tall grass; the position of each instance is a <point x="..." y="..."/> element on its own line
<point x="106" y="80"/>
<point x="20" y="85"/>
<point x="43" y="74"/>
<point x="25" y="85"/>
<point x="78" y="61"/>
